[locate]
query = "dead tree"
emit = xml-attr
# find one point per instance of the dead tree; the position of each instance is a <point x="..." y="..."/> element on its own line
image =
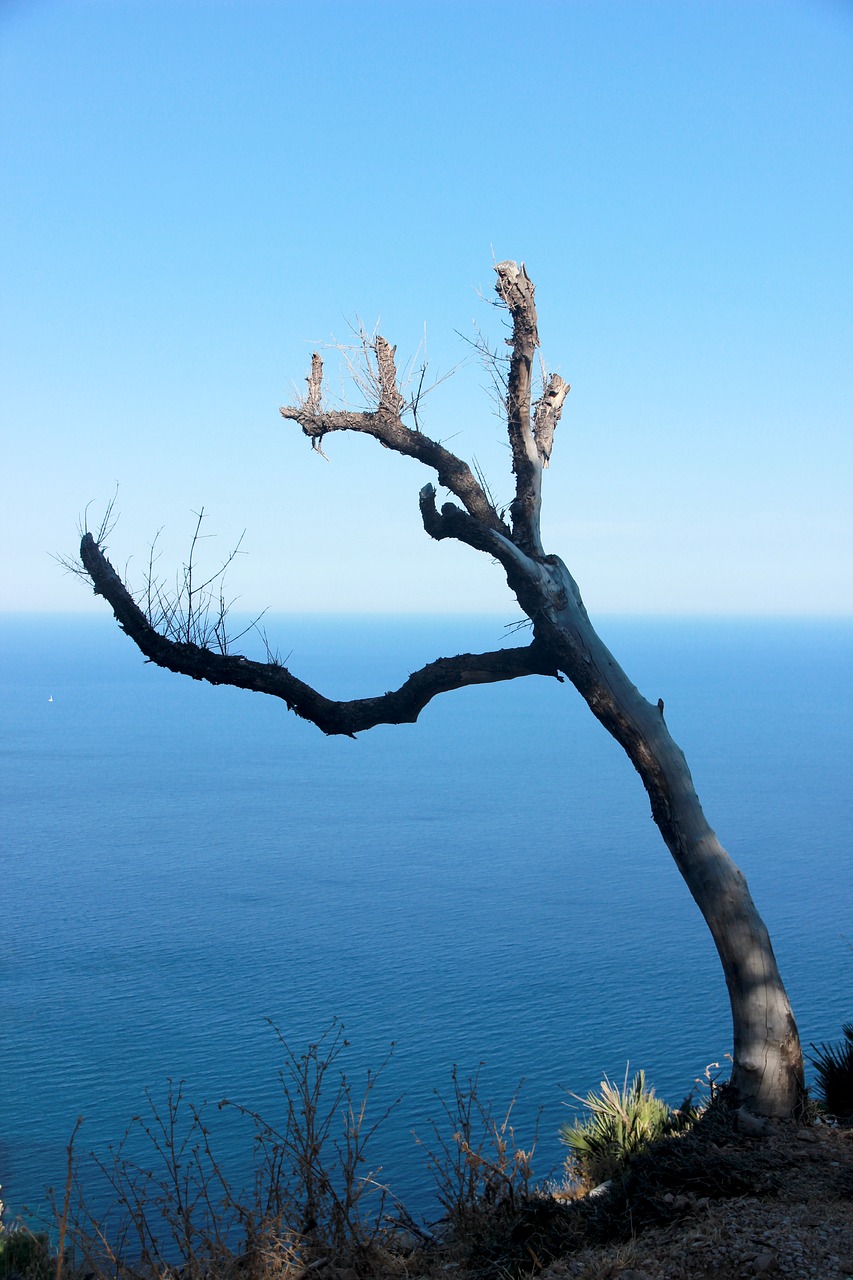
<point x="767" y="1068"/>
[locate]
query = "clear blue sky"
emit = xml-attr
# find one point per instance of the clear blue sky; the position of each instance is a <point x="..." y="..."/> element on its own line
<point x="196" y="193"/>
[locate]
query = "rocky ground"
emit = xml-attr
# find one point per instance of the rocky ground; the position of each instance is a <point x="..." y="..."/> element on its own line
<point x="720" y="1205"/>
<point x="730" y="1199"/>
<point x="800" y="1227"/>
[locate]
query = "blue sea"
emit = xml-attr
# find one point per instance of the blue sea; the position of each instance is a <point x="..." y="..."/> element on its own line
<point x="181" y="863"/>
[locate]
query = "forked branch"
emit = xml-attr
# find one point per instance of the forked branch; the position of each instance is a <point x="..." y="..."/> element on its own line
<point x="400" y="706"/>
<point x="452" y="522"/>
<point x="384" y="422"/>
<point x="176" y="631"/>
<point x="531" y="443"/>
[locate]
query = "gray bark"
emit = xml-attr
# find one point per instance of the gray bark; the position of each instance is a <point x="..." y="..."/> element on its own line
<point x="768" y="1069"/>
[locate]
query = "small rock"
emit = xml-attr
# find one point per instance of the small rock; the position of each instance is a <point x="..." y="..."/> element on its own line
<point x="752" y="1126"/>
<point x="602" y="1189"/>
<point x="806" y="1135"/>
<point x="764" y="1264"/>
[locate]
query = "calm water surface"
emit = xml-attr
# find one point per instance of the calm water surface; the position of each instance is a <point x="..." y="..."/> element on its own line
<point x="181" y="863"/>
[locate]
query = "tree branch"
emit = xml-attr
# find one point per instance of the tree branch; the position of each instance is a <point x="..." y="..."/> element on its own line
<point x="314" y="398"/>
<point x="452" y="522"/>
<point x="546" y="415"/>
<point x="400" y="706"/>
<point x="515" y="288"/>
<point x="391" y="401"/>
<point x="385" y="424"/>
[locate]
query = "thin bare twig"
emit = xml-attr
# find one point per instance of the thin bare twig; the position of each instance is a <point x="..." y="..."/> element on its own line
<point x="66" y="1203"/>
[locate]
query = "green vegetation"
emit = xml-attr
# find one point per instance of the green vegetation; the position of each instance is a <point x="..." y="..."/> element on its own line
<point x="161" y="1204"/>
<point x="621" y="1124"/>
<point x="26" y="1253"/>
<point x="833" y="1064"/>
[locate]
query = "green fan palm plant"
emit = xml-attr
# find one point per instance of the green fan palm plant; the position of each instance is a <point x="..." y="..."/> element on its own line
<point x="833" y="1064"/>
<point x="622" y="1122"/>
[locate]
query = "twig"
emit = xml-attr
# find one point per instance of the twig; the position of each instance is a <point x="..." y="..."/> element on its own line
<point x="66" y="1203"/>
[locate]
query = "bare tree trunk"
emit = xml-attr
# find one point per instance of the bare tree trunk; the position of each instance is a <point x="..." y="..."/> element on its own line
<point x="768" y="1065"/>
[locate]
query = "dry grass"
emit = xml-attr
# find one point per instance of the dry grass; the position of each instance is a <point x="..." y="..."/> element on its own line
<point x="702" y="1205"/>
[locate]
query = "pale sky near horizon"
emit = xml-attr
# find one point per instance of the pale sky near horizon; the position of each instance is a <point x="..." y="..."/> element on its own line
<point x="196" y="193"/>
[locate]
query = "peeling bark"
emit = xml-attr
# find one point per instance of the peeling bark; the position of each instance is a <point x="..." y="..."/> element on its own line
<point x="546" y="415"/>
<point x="768" y="1069"/>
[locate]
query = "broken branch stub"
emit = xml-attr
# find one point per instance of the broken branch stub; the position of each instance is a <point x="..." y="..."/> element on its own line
<point x="314" y="398"/>
<point x="515" y="288"/>
<point x="390" y="399"/>
<point x="546" y="415"/>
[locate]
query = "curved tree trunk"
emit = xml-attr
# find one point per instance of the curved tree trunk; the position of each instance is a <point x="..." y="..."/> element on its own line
<point x="768" y="1065"/>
